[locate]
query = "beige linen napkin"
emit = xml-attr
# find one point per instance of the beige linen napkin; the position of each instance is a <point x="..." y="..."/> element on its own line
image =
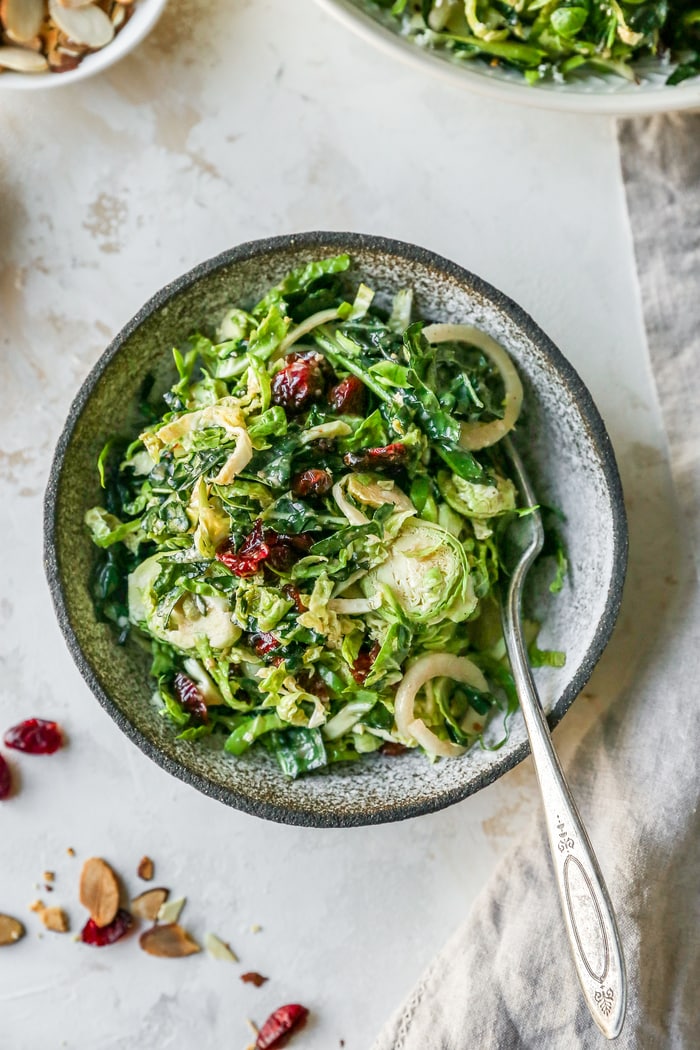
<point x="506" y="980"/>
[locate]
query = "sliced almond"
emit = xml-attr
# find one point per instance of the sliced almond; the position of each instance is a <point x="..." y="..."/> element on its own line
<point x="145" y="869"/>
<point x="219" y="949"/>
<point x="22" y="18"/>
<point x="62" y="61"/>
<point x="148" y="904"/>
<point x="170" y="911"/>
<point x="20" y="60"/>
<point x="35" y="44"/>
<point x="168" y="942"/>
<point x="85" y="25"/>
<point x="99" y="890"/>
<point x="55" y="919"/>
<point x="11" y="930"/>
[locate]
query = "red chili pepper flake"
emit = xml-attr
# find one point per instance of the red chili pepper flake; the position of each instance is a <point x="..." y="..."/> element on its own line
<point x="264" y="642"/>
<point x="348" y="397"/>
<point x="190" y="697"/>
<point x="99" y="936"/>
<point x="298" y="383"/>
<point x="5" y="779"/>
<point x="312" y="483"/>
<point x="280" y="1026"/>
<point x="254" y="978"/>
<point x="386" y="457"/>
<point x="364" y="663"/>
<point x="35" y="736"/>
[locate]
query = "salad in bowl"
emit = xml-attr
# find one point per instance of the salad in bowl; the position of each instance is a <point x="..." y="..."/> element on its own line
<point x="305" y="529"/>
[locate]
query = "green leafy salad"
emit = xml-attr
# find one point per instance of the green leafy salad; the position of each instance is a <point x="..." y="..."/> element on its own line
<point x="305" y="532"/>
<point x="551" y="39"/>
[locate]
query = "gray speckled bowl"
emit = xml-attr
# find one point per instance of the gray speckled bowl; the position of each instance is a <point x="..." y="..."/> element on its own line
<point x="564" y="442"/>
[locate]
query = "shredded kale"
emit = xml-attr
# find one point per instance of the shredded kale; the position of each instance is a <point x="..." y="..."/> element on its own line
<point x="300" y="519"/>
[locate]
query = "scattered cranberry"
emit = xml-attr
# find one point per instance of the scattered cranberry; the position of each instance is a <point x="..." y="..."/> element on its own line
<point x="312" y="483"/>
<point x="364" y="663"/>
<point x="190" y="697"/>
<point x="5" y="779"/>
<point x="253" y="550"/>
<point x="99" y="936"/>
<point x="298" y="383"/>
<point x="264" y="642"/>
<point x="252" y="977"/>
<point x="313" y="683"/>
<point x="294" y="595"/>
<point x="35" y="736"/>
<point x="386" y="457"/>
<point x="278" y="550"/>
<point x="285" y="549"/>
<point x="392" y="747"/>
<point x="348" y="397"/>
<point x="280" y="1025"/>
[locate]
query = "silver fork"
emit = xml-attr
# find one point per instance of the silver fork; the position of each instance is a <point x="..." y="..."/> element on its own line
<point x="588" y="913"/>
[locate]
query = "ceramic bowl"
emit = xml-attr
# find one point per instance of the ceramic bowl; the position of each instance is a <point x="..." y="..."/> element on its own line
<point x="587" y="92"/>
<point x="564" y="443"/>
<point x="146" y="14"/>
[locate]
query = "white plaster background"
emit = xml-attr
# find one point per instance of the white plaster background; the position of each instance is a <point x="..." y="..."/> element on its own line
<point x="233" y="121"/>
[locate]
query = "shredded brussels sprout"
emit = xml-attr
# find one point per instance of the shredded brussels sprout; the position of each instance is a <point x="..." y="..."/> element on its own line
<point x="303" y="519"/>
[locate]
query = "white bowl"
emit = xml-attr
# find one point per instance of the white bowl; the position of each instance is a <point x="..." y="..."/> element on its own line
<point x="146" y="14"/>
<point x="592" y="93"/>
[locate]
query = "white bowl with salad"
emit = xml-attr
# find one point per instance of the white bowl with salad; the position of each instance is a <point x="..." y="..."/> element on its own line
<point x="278" y="569"/>
<point x="583" y="56"/>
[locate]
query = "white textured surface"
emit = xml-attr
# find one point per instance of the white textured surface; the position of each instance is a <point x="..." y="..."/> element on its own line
<point x="230" y="122"/>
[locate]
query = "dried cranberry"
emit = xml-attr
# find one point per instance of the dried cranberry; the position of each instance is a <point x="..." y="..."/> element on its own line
<point x="298" y="383"/>
<point x="387" y="458"/>
<point x="36" y="736"/>
<point x="5" y="779"/>
<point x="312" y="683"/>
<point x="392" y="747"/>
<point x="280" y="1025"/>
<point x="253" y="550"/>
<point x="253" y="977"/>
<point x="364" y="663"/>
<point x="286" y="549"/>
<point x="312" y="483"/>
<point x="99" y="936"/>
<point x="190" y="697"/>
<point x="264" y="642"/>
<point x="294" y="595"/>
<point x="278" y="550"/>
<point x="348" y="397"/>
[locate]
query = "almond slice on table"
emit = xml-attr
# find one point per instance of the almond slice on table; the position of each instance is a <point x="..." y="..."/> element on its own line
<point x="22" y="19"/>
<point x="99" y="891"/>
<point x="11" y="930"/>
<point x="219" y="949"/>
<point x="22" y="60"/>
<point x="83" y="25"/>
<point x="145" y="869"/>
<point x="169" y="912"/>
<point x="55" y="919"/>
<point x="148" y="904"/>
<point x="168" y="942"/>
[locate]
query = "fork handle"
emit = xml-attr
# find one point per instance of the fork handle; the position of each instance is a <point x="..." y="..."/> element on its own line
<point x="588" y="913"/>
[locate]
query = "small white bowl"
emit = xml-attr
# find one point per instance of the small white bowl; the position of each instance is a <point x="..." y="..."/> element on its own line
<point x="146" y="14"/>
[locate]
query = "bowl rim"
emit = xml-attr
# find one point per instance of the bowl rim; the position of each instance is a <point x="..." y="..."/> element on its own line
<point x="652" y="99"/>
<point x="304" y="814"/>
<point x="146" y="14"/>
